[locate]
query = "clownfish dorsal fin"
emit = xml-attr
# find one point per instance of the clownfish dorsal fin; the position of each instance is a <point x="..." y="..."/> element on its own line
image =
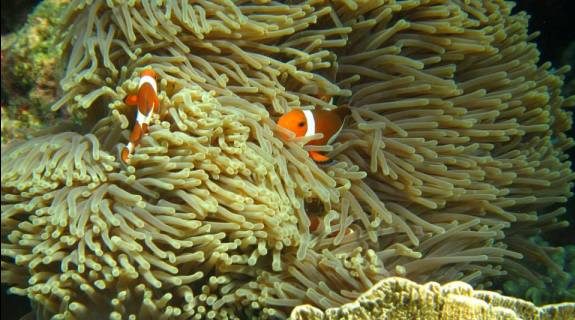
<point x="325" y="98"/>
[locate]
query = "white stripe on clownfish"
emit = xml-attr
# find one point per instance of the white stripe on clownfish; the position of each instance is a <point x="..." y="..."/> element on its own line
<point x="150" y="80"/>
<point x="310" y="120"/>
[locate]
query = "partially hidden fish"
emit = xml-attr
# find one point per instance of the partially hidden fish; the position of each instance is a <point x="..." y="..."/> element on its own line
<point x="305" y="123"/>
<point x="317" y="224"/>
<point x="148" y="104"/>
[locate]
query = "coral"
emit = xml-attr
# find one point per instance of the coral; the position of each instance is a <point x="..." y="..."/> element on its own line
<point x="16" y="127"/>
<point x="30" y="59"/>
<point x="561" y="285"/>
<point x="453" y="156"/>
<point x="398" y="298"/>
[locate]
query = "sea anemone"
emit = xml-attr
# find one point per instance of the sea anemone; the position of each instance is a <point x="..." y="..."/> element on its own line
<point x="452" y="157"/>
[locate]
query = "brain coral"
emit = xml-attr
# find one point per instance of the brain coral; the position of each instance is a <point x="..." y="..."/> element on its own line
<point x="453" y="156"/>
<point x="399" y="298"/>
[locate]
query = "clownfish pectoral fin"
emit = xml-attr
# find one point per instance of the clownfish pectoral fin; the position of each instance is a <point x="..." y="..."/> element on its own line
<point x="131" y="100"/>
<point x="318" y="157"/>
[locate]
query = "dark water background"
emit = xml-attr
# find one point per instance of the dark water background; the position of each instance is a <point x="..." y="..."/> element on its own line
<point x="553" y="18"/>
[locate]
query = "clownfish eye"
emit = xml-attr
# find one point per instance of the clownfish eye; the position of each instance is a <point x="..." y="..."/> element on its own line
<point x="301" y="124"/>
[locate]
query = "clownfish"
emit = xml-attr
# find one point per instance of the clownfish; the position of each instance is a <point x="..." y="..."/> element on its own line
<point x="305" y="123"/>
<point x="148" y="104"/>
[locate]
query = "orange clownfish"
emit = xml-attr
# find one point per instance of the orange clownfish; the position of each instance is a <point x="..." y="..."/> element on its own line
<point x="148" y="104"/>
<point x="305" y="123"/>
